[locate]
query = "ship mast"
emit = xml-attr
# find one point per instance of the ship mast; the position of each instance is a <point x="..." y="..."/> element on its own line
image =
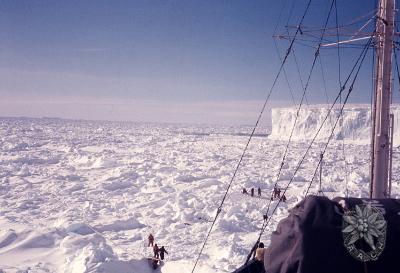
<point x="381" y="120"/>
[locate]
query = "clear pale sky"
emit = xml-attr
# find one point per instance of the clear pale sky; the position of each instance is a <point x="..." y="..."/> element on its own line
<point x="169" y="61"/>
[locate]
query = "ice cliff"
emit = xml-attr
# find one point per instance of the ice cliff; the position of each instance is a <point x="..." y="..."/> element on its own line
<point x="354" y="127"/>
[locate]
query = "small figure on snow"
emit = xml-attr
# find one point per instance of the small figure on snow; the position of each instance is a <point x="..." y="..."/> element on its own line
<point x="156" y="251"/>
<point x="245" y="191"/>
<point x="259" y="191"/>
<point x="265" y="217"/>
<point x="162" y="251"/>
<point x="151" y="239"/>
<point x="252" y="192"/>
<point x="277" y="192"/>
<point x="283" y="198"/>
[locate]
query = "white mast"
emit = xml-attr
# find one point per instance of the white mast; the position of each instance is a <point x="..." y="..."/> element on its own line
<point x="383" y="72"/>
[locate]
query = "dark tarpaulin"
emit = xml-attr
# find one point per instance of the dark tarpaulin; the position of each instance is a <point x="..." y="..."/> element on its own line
<point x="252" y="266"/>
<point x="310" y="239"/>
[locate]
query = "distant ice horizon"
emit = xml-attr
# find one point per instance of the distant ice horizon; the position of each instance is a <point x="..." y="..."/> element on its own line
<point x="232" y="113"/>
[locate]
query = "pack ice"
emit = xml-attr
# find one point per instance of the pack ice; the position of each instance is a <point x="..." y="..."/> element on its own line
<point x="82" y="196"/>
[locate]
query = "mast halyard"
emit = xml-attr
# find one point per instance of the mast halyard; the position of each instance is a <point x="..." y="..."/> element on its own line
<point x="381" y="123"/>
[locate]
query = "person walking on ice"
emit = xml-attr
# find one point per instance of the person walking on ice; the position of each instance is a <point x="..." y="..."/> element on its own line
<point x="151" y="240"/>
<point x="156" y="251"/>
<point x="162" y="251"/>
<point x="259" y="191"/>
<point x="252" y="192"/>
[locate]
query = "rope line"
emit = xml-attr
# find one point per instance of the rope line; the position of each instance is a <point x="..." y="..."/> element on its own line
<point x="358" y="62"/>
<point x="316" y="54"/>
<point x="300" y="105"/>
<point x="338" y="118"/>
<point x="340" y="99"/>
<point x="351" y="23"/>
<point x="397" y="66"/>
<point x="252" y="133"/>
<point x="323" y="79"/>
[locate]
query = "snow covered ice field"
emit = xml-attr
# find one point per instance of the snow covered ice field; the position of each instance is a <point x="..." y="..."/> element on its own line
<point x="81" y="196"/>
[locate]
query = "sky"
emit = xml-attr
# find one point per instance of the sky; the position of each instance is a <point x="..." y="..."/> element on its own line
<point x="168" y="61"/>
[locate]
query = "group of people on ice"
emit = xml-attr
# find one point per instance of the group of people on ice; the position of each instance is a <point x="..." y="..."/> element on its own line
<point x="275" y="194"/>
<point x="252" y="191"/>
<point x="159" y="252"/>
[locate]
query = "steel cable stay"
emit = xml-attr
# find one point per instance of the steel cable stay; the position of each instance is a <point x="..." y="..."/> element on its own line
<point x="354" y="43"/>
<point x="351" y="23"/>
<point x="358" y="35"/>
<point x="219" y="209"/>
<point x="347" y="46"/>
<point x="298" y="72"/>
<point x="300" y="105"/>
<point x="280" y="57"/>
<point x="336" y="122"/>
<point x="397" y="64"/>
<point x="293" y="52"/>
<point x="329" y="112"/>
<point x="358" y="63"/>
<point x="340" y="98"/>
<point x="323" y="79"/>
<point x="291" y="92"/>
<point x="316" y="54"/>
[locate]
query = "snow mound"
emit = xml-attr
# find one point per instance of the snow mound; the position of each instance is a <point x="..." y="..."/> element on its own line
<point x="79" y="228"/>
<point x="118" y="225"/>
<point x="85" y="253"/>
<point x="117" y="185"/>
<point x="7" y="237"/>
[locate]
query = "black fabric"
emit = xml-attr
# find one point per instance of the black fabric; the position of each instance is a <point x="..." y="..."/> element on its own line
<point x="253" y="266"/>
<point x="310" y="240"/>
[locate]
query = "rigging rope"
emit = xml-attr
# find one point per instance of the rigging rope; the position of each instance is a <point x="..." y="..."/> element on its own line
<point x="278" y="53"/>
<point x="252" y="133"/>
<point x="340" y="114"/>
<point x="340" y="99"/>
<point x="358" y="62"/>
<point x="316" y="54"/>
<point x="293" y="52"/>
<point x="351" y="23"/>
<point x="301" y="103"/>
<point x="397" y="66"/>
<point x="323" y="79"/>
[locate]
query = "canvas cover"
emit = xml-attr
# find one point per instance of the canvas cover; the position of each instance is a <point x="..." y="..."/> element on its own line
<point x="344" y="235"/>
<point x="253" y="266"/>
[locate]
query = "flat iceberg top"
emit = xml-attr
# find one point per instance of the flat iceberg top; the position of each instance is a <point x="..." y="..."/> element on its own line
<point x="354" y="126"/>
